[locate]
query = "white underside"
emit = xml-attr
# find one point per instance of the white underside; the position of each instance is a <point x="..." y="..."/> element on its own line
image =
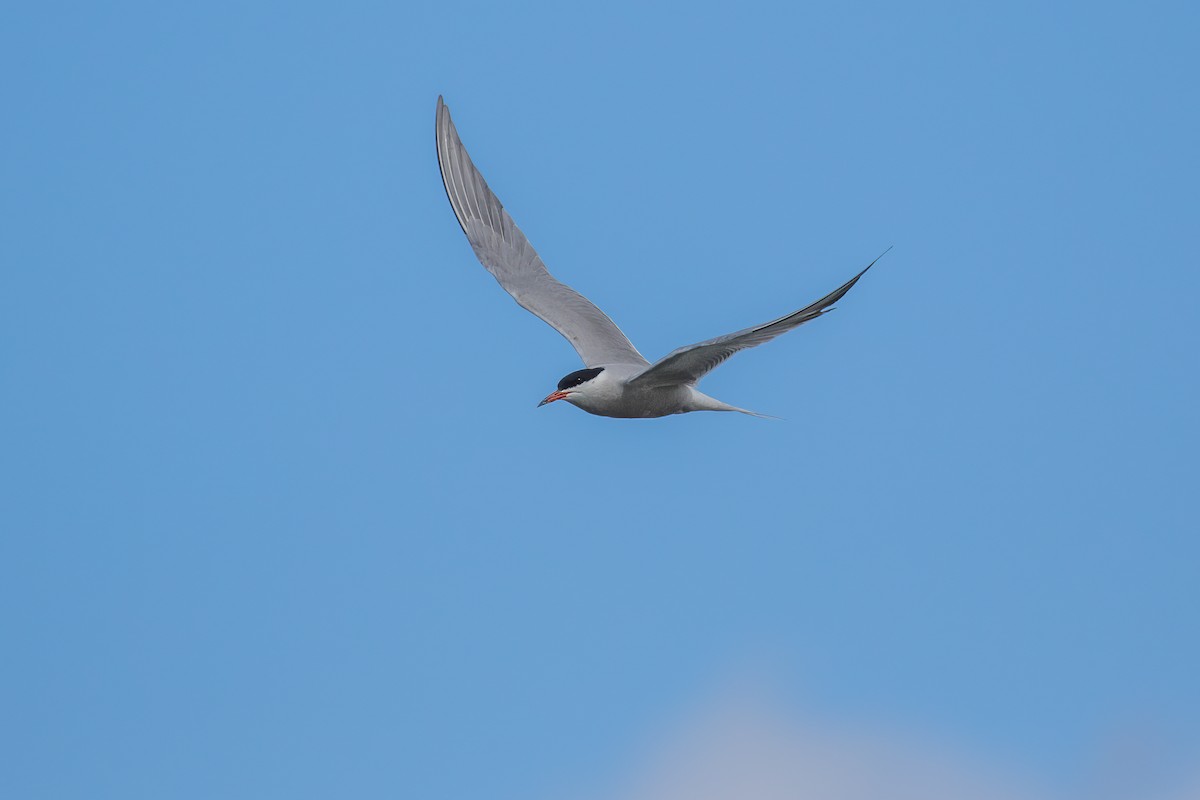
<point x="610" y="394"/>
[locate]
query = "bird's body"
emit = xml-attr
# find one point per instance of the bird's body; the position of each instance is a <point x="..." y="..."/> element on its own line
<point x="617" y="381"/>
<point x="614" y="392"/>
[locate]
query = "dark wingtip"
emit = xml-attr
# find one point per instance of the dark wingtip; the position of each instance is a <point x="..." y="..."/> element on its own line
<point x="850" y="284"/>
<point x="881" y="255"/>
<point x="442" y="119"/>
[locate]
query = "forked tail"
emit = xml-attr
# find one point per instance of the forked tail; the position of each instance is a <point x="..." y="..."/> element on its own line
<point x="702" y="402"/>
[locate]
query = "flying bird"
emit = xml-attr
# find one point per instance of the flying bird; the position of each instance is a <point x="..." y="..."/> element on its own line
<point x="617" y="380"/>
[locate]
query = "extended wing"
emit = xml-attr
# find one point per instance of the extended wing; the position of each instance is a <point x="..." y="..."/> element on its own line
<point x="688" y="364"/>
<point x="507" y="254"/>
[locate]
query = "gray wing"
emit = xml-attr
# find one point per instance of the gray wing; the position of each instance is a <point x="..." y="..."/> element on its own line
<point x="507" y="254"/>
<point x="688" y="364"/>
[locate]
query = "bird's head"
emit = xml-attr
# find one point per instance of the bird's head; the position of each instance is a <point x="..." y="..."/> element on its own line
<point x="574" y="386"/>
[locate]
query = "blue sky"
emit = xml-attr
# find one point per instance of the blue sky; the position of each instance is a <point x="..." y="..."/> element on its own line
<point x="281" y="518"/>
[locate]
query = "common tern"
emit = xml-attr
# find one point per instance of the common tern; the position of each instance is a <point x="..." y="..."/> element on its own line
<point x="617" y="380"/>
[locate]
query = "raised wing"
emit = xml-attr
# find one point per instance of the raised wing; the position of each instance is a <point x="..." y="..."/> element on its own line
<point x="507" y="254"/>
<point x="688" y="364"/>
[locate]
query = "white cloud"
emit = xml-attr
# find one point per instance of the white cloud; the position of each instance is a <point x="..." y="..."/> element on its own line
<point x="745" y="749"/>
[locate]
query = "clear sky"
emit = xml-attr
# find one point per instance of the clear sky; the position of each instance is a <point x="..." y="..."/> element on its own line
<point x="280" y="517"/>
